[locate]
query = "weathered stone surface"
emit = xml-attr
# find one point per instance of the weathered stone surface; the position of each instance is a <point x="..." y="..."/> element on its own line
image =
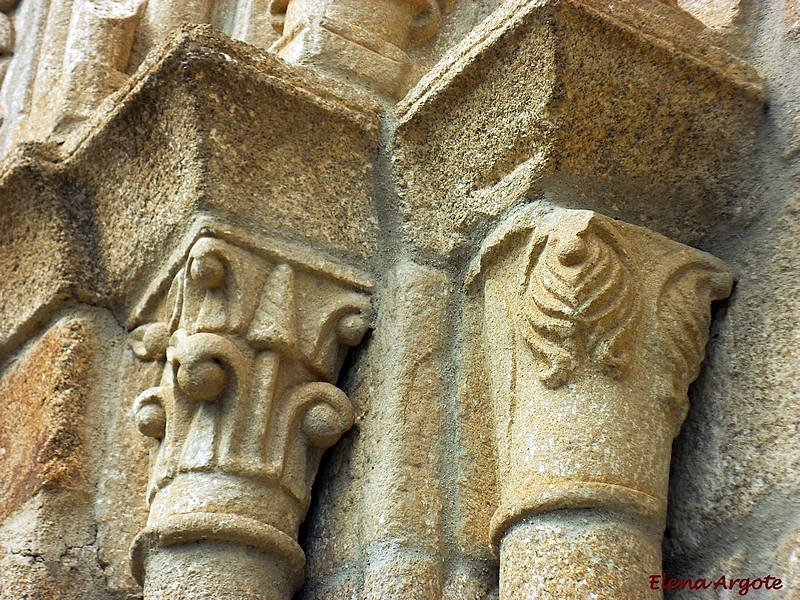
<point x="64" y="528"/>
<point x="477" y="474"/>
<point x="96" y="55"/>
<point x="120" y="507"/>
<point x="279" y="189"/>
<point x="41" y="417"/>
<point x="788" y="563"/>
<point x="216" y="570"/>
<point x="572" y="551"/>
<point x="48" y="549"/>
<point x="597" y="103"/>
<point x="245" y="148"/>
<point x="393" y="529"/>
<point x="126" y="197"/>
<point x="791" y="16"/>
<point x="44" y="250"/>
<point x="718" y="14"/>
<point x="736" y="467"/>
<point x="403" y="491"/>
<point x="7" y="37"/>
<point x="74" y="54"/>
<point x="251" y="340"/>
<point x="358" y="40"/>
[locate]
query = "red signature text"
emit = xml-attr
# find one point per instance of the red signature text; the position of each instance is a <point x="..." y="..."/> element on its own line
<point x="742" y="584"/>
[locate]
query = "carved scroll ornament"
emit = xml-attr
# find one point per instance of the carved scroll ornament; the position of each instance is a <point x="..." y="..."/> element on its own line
<point x="246" y="404"/>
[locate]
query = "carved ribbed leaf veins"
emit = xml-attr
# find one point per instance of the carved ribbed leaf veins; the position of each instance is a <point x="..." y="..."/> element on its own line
<point x="684" y="316"/>
<point x="580" y="304"/>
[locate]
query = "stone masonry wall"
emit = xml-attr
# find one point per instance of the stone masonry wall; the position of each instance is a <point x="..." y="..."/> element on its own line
<point x="399" y="300"/>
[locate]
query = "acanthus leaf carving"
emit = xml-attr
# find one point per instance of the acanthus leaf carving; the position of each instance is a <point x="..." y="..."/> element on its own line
<point x="275" y="322"/>
<point x="580" y="302"/>
<point x="683" y="318"/>
<point x="589" y="326"/>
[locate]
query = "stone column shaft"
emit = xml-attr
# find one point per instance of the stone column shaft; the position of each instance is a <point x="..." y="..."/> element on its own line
<point x="362" y="41"/>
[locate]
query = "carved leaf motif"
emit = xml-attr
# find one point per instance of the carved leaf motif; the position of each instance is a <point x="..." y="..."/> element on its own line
<point x="684" y="315"/>
<point x="221" y="284"/>
<point x="580" y="303"/>
<point x="274" y="324"/>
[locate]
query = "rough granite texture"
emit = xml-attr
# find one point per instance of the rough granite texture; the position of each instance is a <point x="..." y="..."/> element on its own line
<point x="45" y="394"/>
<point x="69" y="525"/>
<point x="557" y="99"/>
<point x="128" y="139"/>
<point x="735" y="479"/>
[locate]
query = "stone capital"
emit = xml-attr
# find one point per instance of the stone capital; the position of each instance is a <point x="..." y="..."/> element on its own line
<point x="251" y="341"/>
<point x="361" y="41"/>
<point x="593" y="330"/>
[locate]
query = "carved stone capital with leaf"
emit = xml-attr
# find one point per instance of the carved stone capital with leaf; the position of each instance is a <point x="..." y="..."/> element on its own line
<point x="251" y="343"/>
<point x="593" y="330"/>
<point x="581" y="303"/>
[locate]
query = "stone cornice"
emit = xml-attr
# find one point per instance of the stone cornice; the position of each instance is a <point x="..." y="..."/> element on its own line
<point x="151" y="155"/>
<point x="535" y="102"/>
